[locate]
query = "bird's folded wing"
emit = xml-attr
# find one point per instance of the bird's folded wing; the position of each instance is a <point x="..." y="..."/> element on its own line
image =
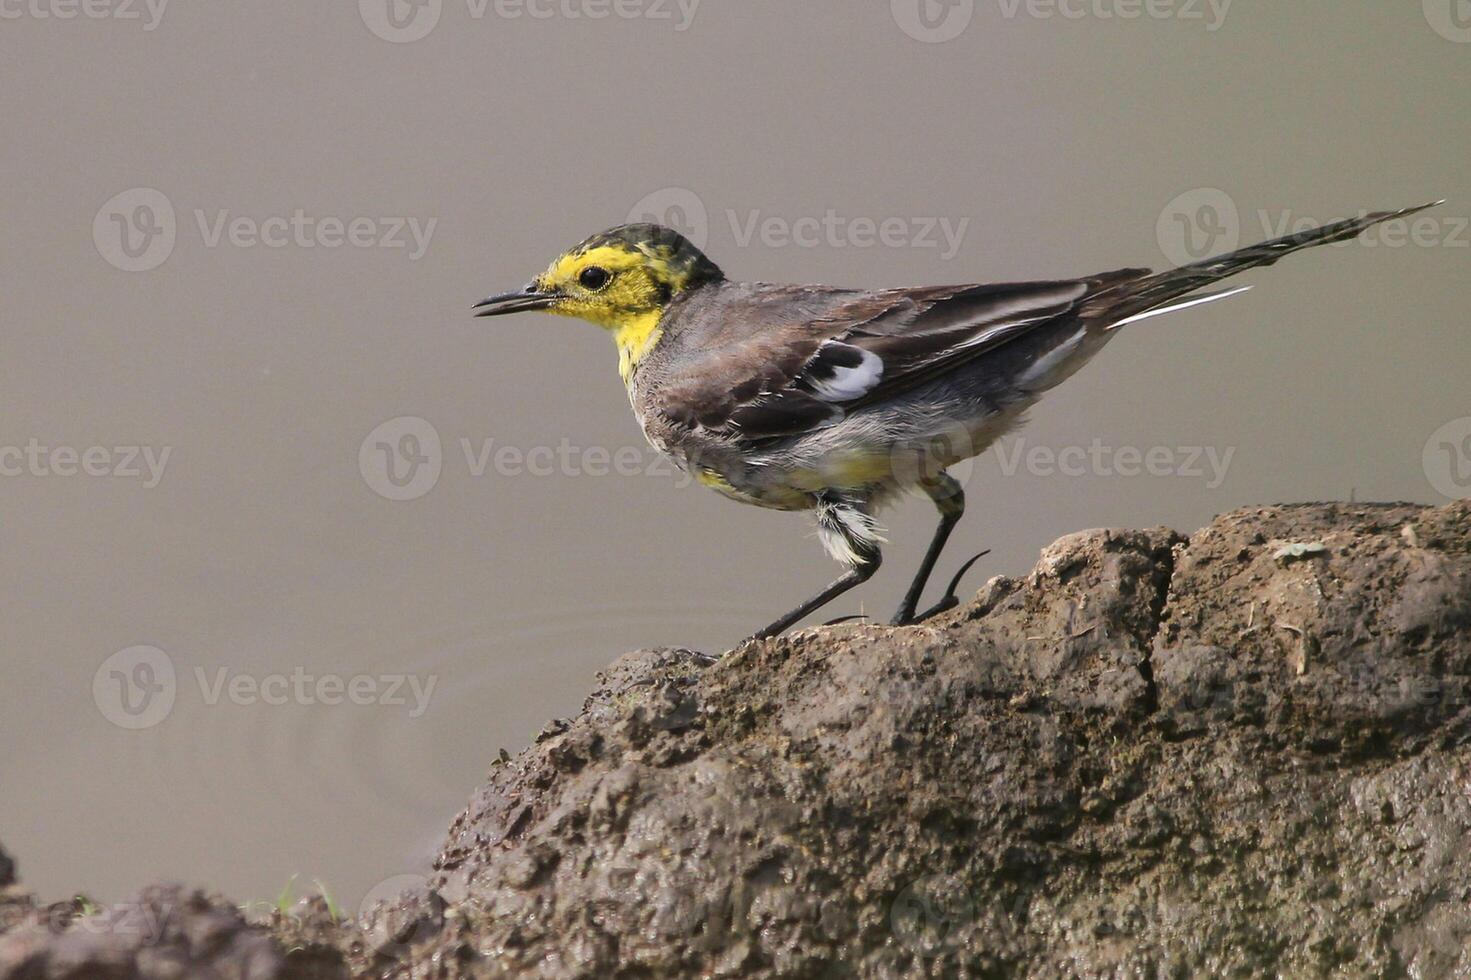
<point x="865" y="347"/>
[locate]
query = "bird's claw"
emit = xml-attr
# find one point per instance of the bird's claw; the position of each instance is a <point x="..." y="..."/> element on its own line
<point x="960" y="574"/>
<point x="949" y="600"/>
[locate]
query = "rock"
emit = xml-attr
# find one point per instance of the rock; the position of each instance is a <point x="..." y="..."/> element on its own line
<point x="1246" y="753"/>
<point x="1151" y="756"/>
<point x="164" y="933"/>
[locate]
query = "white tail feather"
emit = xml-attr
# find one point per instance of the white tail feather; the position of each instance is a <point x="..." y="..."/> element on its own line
<point x="1183" y="304"/>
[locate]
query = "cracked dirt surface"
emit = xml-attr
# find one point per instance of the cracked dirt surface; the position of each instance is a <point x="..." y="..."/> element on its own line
<point x="1241" y="753"/>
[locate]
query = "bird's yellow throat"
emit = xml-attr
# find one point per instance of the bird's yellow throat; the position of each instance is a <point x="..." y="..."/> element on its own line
<point x="634" y="337"/>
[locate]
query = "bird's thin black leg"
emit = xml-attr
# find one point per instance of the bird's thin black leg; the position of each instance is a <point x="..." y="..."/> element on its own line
<point x="949" y="500"/>
<point x="854" y="577"/>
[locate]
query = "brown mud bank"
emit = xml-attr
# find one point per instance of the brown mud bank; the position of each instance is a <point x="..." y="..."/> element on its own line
<point x="1244" y="752"/>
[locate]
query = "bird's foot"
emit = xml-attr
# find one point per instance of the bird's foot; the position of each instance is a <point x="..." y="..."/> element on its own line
<point x="947" y="602"/>
<point x="845" y="619"/>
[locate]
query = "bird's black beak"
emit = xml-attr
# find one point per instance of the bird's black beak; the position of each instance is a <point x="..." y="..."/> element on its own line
<point x="530" y="298"/>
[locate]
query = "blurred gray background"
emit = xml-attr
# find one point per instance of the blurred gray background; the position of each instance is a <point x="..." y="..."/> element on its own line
<point x="201" y="256"/>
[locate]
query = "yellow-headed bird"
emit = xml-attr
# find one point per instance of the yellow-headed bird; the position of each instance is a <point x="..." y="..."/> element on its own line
<point x="836" y="400"/>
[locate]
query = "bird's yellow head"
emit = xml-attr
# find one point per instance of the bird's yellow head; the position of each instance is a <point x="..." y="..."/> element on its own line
<point x="622" y="280"/>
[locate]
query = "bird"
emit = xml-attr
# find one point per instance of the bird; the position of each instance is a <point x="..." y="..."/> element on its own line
<point x="838" y="401"/>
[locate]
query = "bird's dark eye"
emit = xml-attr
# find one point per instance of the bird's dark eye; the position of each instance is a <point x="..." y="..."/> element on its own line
<point x="594" y="277"/>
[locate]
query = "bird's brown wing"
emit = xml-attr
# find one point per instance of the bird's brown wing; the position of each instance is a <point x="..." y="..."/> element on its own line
<point x="785" y="375"/>
<point x="776" y="361"/>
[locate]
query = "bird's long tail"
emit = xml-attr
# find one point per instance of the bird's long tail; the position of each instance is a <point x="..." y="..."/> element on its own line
<point x="1151" y="295"/>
